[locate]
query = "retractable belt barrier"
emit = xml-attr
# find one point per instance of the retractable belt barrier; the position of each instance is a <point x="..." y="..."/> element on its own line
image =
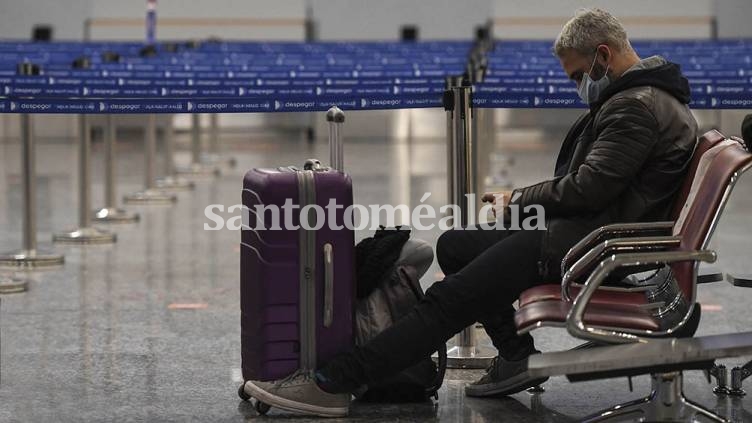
<point x="229" y="77"/>
<point x="216" y="105"/>
<point x="302" y="77"/>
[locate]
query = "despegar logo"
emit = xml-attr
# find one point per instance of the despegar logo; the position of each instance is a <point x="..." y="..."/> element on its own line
<point x="559" y="101"/>
<point x="36" y="106"/>
<point x="391" y="102"/>
<point x="300" y="104"/>
<point x="211" y="106"/>
<point x="125" y="107"/>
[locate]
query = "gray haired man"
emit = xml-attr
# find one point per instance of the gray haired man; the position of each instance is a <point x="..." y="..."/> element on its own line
<point x="620" y="162"/>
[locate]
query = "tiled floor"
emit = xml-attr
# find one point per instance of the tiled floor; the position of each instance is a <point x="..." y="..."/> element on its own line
<point x="104" y="338"/>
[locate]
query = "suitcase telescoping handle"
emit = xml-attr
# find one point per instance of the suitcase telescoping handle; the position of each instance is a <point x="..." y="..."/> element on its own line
<point x="336" y="118"/>
<point x="328" y="284"/>
<point x="313" y="164"/>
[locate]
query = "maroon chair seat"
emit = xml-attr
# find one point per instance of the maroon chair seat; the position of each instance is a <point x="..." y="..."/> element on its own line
<point x="554" y="312"/>
<point x="552" y="292"/>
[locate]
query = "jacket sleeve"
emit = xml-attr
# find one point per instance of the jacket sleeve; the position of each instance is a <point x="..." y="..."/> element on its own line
<point x="627" y="132"/>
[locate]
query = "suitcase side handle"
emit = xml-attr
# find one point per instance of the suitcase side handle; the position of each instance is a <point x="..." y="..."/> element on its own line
<point x="328" y="284"/>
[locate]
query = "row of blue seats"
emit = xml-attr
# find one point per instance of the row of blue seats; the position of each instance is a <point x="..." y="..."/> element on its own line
<point x="436" y="58"/>
<point x="238" y="46"/>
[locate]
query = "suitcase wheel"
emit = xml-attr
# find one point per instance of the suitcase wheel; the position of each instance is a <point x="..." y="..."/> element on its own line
<point x="242" y="394"/>
<point x="262" y="408"/>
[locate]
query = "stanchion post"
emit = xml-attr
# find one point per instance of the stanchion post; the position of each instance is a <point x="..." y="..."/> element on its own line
<point x="466" y="352"/>
<point x="169" y="149"/>
<point x="214" y="156"/>
<point x="110" y="212"/>
<point x="172" y="182"/>
<point x="213" y="134"/>
<point x="85" y="234"/>
<point x="150" y="194"/>
<point x="197" y="168"/>
<point x="311" y="35"/>
<point x="483" y="119"/>
<point x="195" y="138"/>
<point x="29" y="255"/>
<point x="150" y="149"/>
<point x="448" y="100"/>
<point x="28" y="145"/>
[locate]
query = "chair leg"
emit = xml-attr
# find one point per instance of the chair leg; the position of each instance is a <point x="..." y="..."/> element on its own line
<point x="702" y="411"/>
<point x="665" y="403"/>
<point x="618" y="411"/>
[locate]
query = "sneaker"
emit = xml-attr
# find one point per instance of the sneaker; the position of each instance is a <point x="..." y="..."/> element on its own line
<point x="299" y="393"/>
<point x="503" y="378"/>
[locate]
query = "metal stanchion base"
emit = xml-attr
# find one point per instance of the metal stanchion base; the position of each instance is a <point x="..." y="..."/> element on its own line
<point x="85" y="236"/>
<point x="175" y="183"/>
<point x="198" y="169"/>
<point x="31" y="259"/>
<point x="115" y="215"/>
<point x="477" y="357"/>
<point x="216" y="159"/>
<point x="150" y="196"/>
<point x="11" y="285"/>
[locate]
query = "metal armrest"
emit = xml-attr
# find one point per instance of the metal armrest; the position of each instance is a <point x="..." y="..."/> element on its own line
<point x="617" y="230"/>
<point x="613" y="246"/>
<point x="575" y="323"/>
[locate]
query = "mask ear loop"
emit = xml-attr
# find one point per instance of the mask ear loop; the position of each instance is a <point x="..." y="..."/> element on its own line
<point x="592" y="65"/>
<point x="595" y="59"/>
<point x="588" y="73"/>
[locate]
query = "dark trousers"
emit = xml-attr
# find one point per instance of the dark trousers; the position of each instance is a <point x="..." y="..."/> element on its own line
<point x="486" y="270"/>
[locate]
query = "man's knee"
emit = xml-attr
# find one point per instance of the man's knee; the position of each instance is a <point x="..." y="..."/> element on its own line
<point x="445" y="251"/>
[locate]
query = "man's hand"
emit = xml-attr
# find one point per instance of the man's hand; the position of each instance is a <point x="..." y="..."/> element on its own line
<point x="500" y="199"/>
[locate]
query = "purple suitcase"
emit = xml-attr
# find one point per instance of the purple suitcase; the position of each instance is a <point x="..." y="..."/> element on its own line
<point x="296" y="286"/>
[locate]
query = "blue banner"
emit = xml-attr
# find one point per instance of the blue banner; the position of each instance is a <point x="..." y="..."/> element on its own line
<point x="221" y="105"/>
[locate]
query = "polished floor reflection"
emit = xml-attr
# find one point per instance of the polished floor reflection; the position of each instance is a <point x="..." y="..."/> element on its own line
<point x="147" y="329"/>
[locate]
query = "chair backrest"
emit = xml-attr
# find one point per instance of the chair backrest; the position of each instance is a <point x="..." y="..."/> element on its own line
<point x="702" y="168"/>
<point x="706" y="205"/>
<point x="706" y="142"/>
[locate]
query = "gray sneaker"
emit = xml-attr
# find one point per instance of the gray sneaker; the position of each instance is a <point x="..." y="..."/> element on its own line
<point x="503" y="378"/>
<point x="299" y="393"/>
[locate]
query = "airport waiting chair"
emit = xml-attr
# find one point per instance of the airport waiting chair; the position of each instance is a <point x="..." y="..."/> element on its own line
<point x="626" y="319"/>
<point x="615" y="293"/>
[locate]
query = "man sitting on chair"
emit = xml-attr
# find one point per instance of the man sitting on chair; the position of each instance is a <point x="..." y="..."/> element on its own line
<point x="622" y="161"/>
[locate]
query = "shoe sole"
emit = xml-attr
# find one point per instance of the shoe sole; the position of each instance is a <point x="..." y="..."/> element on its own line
<point x="290" y="405"/>
<point x="513" y="385"/>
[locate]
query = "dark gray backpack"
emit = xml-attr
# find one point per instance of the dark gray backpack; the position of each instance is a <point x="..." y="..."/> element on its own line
<point x="393" y="297"/>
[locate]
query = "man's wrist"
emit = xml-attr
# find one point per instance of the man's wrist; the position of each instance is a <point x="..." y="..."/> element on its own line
<point x="515" y="197"/>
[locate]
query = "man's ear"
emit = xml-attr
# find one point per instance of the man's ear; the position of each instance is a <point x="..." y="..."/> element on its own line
<point x="605" y="53"/>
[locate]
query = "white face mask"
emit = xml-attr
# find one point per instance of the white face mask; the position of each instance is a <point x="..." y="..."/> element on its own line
<point x="590" y="90"/>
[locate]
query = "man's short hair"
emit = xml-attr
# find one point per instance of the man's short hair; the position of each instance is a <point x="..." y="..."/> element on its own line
<point x="588" y="29"/>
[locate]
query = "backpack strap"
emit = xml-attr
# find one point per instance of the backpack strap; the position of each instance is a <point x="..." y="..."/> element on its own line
<point x="441" y="367"/>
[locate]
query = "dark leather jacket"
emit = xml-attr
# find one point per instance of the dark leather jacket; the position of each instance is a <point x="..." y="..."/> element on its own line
<point x="623" y="161"/>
